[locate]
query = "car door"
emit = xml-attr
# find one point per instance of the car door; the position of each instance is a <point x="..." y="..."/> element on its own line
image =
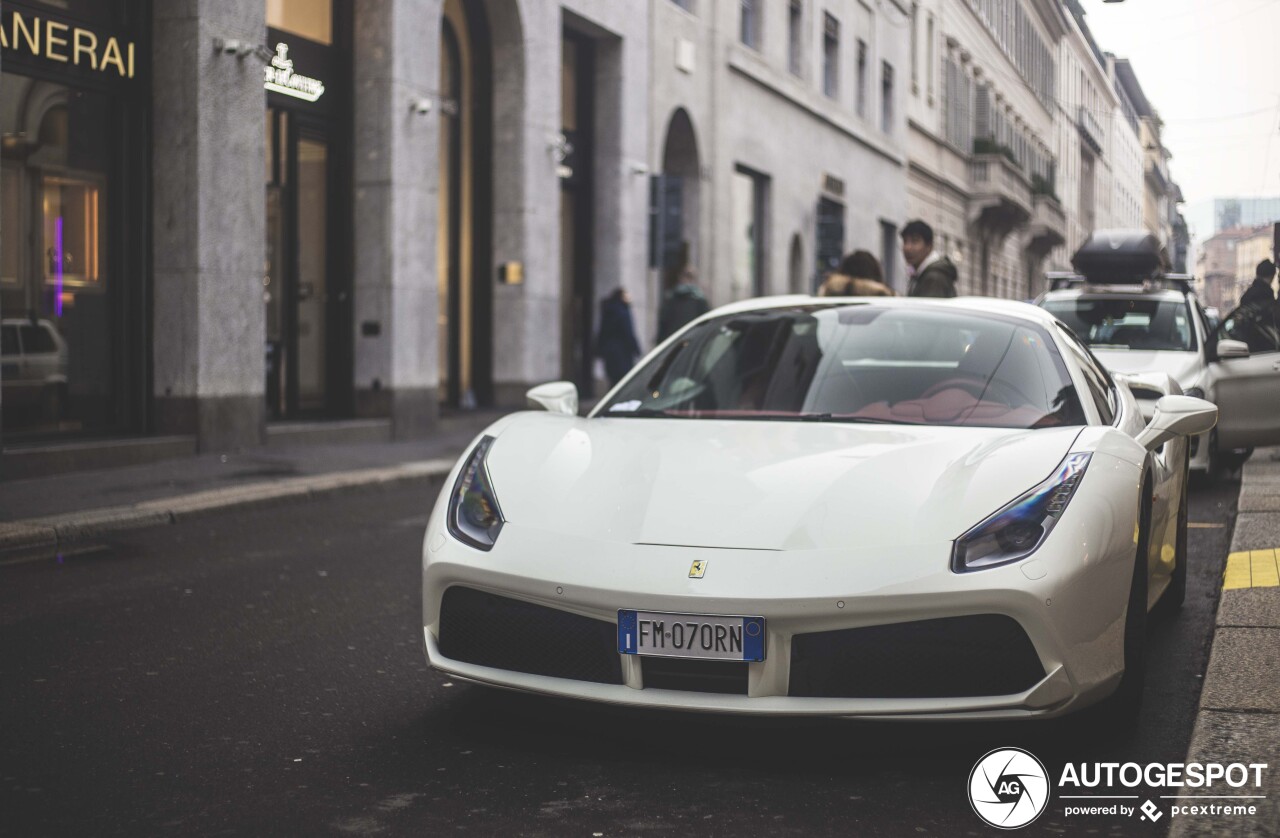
<point x="1247" y="390"/>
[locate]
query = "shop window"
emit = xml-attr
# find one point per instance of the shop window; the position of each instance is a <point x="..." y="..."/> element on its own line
<point x="72" y="220"/>
<point x="312" y="19"/>
<point x="56" y="285"/>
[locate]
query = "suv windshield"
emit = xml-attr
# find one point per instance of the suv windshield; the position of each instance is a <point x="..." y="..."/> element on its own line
<point x="1127" y="323"/>
<point x="858" y="363"/>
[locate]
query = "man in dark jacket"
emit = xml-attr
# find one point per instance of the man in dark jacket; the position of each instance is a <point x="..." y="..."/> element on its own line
<point x="682" y="304"/>
<point x="1260" y="293"/>
<point x="616" y="342"/>
<point x="932" y="274"/>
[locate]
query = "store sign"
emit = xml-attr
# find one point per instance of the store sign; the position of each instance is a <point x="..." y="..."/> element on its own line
<point x="72" y="45"/>
<point x="282" y="79"/>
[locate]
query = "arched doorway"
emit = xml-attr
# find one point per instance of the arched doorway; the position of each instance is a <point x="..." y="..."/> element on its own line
<point x="464" y="246"/>
<point x="679" y="196"/>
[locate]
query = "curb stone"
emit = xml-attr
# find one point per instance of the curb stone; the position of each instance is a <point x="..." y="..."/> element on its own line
<point x="44" y="537"/>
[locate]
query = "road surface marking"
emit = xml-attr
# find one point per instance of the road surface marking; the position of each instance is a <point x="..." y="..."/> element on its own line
<point x="1252" y="569"/>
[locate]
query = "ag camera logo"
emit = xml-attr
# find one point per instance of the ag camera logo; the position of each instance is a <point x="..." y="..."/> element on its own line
<point x="1008" y="788"/>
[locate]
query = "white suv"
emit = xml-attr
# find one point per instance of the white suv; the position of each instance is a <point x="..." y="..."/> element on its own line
<point x="1138" y="319"/>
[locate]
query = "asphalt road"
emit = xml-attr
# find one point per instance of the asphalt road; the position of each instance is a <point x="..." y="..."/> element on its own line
<point x="262" y="673"/>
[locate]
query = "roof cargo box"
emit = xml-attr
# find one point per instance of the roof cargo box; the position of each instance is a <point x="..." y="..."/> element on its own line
<point x="1120" y="256"/>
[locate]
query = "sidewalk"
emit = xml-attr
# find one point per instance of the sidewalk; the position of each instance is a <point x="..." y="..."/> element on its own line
<point x="41" y="516"/>
<point x="1239" y="716"/>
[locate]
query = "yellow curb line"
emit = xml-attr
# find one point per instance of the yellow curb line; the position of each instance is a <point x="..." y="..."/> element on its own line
<point x="1252" y="569"/>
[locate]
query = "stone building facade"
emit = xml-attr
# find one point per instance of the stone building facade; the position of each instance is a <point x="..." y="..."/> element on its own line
<point x="777" y="142"/>
<point x="450" y="187"/>
<point x="983" y="140"/>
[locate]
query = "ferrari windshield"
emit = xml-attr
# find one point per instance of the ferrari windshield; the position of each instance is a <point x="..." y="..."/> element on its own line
<point x="1127" y="323"/>
<point x="857" y="363"/>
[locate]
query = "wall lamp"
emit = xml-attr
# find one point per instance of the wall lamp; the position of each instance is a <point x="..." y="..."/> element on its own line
<point x="240" y="49"/>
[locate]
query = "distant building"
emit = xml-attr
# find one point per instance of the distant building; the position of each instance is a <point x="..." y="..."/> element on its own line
<point x="1159" y="201"/>
<point x="1227" y="262"/>
<point x="1244" y="212"/>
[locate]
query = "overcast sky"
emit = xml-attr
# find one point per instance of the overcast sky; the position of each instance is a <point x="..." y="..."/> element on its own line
<point x="1212" y="70"/>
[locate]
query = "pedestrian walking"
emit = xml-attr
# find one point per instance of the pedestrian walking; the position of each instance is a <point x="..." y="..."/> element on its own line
<point x="859" y="275"/>
<point x="682" y="303"/>
<point x="616" y="342"/>
<point x="932" y="274"/>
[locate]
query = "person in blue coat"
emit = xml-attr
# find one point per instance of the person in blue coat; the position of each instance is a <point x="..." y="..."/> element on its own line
<point x="616" y="342"/>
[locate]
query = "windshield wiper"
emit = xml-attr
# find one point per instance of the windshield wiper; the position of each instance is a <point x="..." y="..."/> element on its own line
<point x="645" y="413"/>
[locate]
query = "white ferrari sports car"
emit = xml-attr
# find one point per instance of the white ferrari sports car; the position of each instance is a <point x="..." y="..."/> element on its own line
<point x="839" y="507"/>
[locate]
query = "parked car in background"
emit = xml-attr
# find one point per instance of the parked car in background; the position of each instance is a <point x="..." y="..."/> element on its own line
<point x="33" y="366"/>
<point x="1138" y="318"/>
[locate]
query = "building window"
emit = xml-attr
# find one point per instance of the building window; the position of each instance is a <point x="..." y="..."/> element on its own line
<point x="749" y="25"/>
<point x="915" y="49"/>
<point x="687" y="5"/>
<point x="886" y="97"/>
<point x="795" y="37"/>
<point x="312" y="19"/>
<point x="749" y="217"/>
<point x="830" y="56"/>
<point x="862" y="78"/>
<point x="928" y="55"/>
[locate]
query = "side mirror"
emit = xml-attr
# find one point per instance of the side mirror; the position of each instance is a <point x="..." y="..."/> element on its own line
<point x="556" y="397"/>
<point x="1228" y="348"/>
<point x="1178" y="416"/>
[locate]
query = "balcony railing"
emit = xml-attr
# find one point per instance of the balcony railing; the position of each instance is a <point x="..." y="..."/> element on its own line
<point x="1090" y="128"/>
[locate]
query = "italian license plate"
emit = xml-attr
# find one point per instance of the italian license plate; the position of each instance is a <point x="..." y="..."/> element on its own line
<point x="703" y="637"/>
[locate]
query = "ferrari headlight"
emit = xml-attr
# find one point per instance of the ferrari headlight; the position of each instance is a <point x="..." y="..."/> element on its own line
<point x="1016" y="531"/>
<point x="474" y="517"/>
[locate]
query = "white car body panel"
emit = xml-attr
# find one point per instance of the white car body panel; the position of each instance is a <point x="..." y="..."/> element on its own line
<point x="816" y="527"/>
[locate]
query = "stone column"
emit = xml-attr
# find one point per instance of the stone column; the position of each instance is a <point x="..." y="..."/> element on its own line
<point x="397" y="55"/>
<point x="209" y="169"/>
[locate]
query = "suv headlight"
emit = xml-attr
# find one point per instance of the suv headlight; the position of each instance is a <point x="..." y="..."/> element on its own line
<point x="1017" y="530"/>
<point x="474" y="516"/>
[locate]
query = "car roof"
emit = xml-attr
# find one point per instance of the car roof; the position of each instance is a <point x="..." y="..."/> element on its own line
<point x="975" y="305"/>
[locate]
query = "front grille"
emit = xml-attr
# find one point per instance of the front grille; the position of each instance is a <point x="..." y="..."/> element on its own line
<point x="491" y="630"/>
<point x="987" y="654"/>
<point x="724" y="677"/>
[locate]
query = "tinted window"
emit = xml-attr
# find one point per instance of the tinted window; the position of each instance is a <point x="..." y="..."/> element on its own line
<point x="1128" y="323"/>
<point x="860" y="363"/>
<point x="1257" y="325"/>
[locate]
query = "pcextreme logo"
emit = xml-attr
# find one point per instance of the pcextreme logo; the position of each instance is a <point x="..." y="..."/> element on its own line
<point x="1008" y="788"/>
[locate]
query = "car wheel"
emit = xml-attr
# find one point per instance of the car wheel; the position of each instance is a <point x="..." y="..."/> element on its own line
<point x="1118" y="714"/>
<point x="1176" y="593"/>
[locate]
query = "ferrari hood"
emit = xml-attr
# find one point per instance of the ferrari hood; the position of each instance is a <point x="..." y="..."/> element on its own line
<point x="762" y="485"/>
<point x="1182" y="367"/>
